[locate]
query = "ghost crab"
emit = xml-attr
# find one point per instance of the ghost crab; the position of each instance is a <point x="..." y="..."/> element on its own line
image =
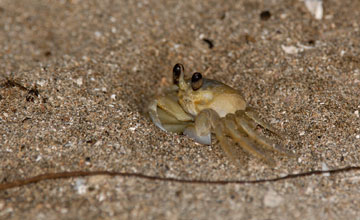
<point x="198" y="107"/>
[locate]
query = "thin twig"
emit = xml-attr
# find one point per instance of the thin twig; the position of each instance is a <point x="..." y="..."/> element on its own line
<point x="72" y="174"/>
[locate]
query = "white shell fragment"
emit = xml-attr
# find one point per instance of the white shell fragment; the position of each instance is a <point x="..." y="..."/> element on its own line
<point x="324" y="167"/>
<point x="296" y="49"/>
<point x="315" y="8"/>
<point x="79" y="81"/>
<point x="290" y="49"/>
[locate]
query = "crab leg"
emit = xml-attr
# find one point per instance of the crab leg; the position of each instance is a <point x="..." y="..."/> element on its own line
<point x="243" y="124"/>
<point x="241" y="114"/>
<point x="190" y="131"/>
<point x="245" y="142"/>
<point x="251" y="113"/>
<point x="224" y="143"/>
<point x="208" y="120"/>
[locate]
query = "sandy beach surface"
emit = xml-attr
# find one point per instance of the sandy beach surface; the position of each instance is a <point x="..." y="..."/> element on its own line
<point x="76" y="78"/>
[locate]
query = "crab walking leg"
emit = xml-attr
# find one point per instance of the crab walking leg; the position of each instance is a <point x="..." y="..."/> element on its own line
<point x="230" y="151"/>
<point x="251" y="113"/>
<point x="241" y="114"/>
<point x="203" y="121"/>
<point x="245" y="142"/>
<point x="208" y="120"/>
<point x="190" y="131"/>
<point x="242" y="122"/>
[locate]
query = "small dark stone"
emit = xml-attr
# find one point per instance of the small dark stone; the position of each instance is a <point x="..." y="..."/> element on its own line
<point x="223" y="16"/>
<point x="178" y="193"/>
<point x="87" y="159"/>
<point x="342" y="158"/>
<point x="311" y="42"/>
<point x="30" y="98"/>
<point x="249" y="199"/>
<point x="91" y="141"/>
<point x="209" y="42"/>
<point x="91" y="188"/>
<point x="265" y="15"/>
<point x="26" y="119"/>
<point x="34" y="91"/>
<point x="9" y="83"/>
<point x="48" y="53"/>
<point x="249" y="39"/>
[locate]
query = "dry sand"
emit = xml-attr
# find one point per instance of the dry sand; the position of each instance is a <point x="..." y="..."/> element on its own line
<point x="76" y="77"/>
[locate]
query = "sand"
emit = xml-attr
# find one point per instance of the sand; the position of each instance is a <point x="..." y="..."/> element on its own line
<point x="76" y="77"/>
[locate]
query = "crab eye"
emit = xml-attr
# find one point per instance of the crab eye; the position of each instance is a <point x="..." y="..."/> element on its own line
<point x="177" y="70"/>
<point x="196" y="81"/>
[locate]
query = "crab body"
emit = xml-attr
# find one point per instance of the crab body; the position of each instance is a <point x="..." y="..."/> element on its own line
<point x="198" y="107"/>
<point x="213" y="95"/>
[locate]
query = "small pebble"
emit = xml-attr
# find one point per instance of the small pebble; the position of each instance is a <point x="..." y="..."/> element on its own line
<point x="98" y="34"/>
<point x="272" y="199"/>
<point x="324" y="167"/>
<point x="265" y="15"/>
<point x="315" y="8"/>
<point x="80" y="186"/>
<point x="79" y="81"/>
<point x="290" y="49"/>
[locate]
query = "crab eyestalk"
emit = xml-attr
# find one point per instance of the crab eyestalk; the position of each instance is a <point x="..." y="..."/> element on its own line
<point x="178" y="76"/>
<point x="182" y="84"/>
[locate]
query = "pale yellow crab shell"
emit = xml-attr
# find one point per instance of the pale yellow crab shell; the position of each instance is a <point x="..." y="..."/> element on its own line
<point x="213" y="95"/>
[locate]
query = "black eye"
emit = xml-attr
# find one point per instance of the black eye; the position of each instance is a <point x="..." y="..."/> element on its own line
<point x="177" y="70"/>
<point x="196" y="81"/>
